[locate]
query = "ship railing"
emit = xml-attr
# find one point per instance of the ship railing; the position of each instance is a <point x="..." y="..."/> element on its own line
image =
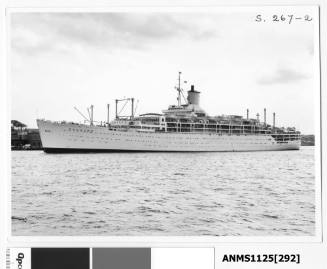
<point x="231" y="129"/>
<point x="238" y="129"/>
<point x="286" y="137"/>
<point x="225" y="129"/>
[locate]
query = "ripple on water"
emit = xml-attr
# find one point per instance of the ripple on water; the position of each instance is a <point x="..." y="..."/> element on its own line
<point x="213" y="194"/>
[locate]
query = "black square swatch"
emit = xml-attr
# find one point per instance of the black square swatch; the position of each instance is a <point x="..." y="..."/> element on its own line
<point x="60" y="258"/>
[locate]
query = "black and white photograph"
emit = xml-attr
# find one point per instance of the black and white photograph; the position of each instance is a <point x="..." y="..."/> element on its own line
<point x="185" y="122"/>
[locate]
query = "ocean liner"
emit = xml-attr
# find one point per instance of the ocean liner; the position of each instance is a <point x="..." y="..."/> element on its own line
<point x="181" y="128"/>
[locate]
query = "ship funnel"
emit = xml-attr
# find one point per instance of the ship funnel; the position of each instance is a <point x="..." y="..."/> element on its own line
<point x="247" y="114"/>
<point x="265" y="116"/>
<point x="193" y="96"/>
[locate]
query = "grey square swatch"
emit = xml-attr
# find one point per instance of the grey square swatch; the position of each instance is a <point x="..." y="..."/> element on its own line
<point x="121" y="258"/>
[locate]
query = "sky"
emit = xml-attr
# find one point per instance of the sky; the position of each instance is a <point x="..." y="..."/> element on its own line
<point x="59" y="61"/>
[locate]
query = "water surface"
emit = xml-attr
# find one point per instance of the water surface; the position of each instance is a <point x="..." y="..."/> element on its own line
<point x="170" y="194"/>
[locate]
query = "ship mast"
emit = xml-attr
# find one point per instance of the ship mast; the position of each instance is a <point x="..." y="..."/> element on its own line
<point x="179" y="89"/>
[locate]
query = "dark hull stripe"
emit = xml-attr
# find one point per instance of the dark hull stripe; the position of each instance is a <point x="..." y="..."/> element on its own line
<point x="76" y="150"/>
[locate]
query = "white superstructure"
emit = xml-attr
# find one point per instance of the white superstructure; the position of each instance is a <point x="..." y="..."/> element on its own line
<point x="180" y="128"/>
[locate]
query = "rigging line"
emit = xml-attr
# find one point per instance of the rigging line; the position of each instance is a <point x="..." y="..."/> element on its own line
<point x="81" y="114"/>
<point x="183" y="96"/>
<point x="88" y="112"/>
<point x="123" y="106"/>
<point x="137" y="102"/>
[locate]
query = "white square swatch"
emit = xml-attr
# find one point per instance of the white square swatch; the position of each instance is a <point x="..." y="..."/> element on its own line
<point x="182" y="258"/>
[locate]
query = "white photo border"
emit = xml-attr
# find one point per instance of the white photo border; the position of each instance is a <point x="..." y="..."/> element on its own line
<point x="152" y="241"/>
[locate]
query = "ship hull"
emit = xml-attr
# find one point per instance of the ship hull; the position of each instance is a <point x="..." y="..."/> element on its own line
<point x="78" y="138"/>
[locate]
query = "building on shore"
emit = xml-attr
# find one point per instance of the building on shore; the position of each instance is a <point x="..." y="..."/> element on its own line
<point x="23" y="138"/>
<point x="307" y="140"/>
